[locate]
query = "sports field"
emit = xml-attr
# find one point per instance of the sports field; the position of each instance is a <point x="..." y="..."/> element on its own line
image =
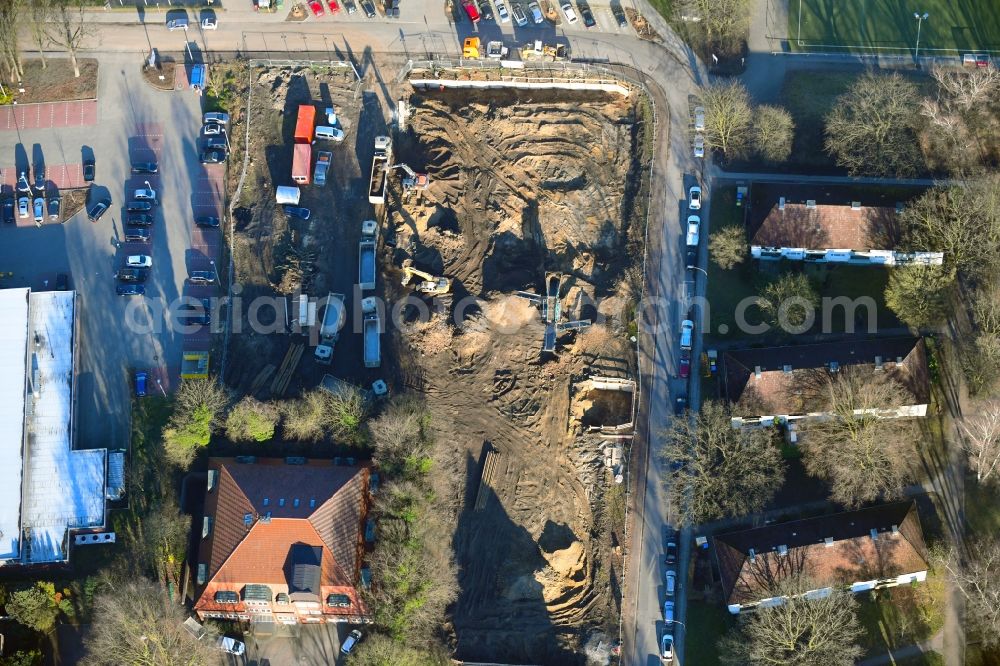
<point x="888" y="26"/>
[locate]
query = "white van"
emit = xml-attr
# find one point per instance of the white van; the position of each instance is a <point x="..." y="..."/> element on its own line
<point x="671" y="583"/>
<point x="331" y="133"/>
<point x="687" y="331"/>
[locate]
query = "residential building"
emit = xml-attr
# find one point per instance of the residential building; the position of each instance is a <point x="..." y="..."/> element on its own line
<point x="773" y="385"/>
<point x="832" y="231"/>
<point x="282" y="541"/>
<point x="48" y="490"/>
<point x="881" y="546"/>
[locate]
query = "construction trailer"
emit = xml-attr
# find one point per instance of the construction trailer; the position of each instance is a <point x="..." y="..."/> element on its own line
<point x="287" y="194"/>
<point x="366" y="255"/>
<point x="305" y="124"/>
<point x="301" y="162"/>
<point x="379" y="177"/>
<point x="194" y="365"/>
<point x="333" y="321"/>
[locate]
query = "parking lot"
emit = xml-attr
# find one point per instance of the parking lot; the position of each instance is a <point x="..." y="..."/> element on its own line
<point x="298" y="644"/>
<point x="118" y="334"/>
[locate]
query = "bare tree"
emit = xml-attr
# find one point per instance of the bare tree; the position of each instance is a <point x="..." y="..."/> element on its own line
<point x="967" y="89"/>
<point x="718" y="471"/>
<point x="37" y="24"/>
<point x="10" y="12"/>
<point x="772" y="133"/>
<point x="727" y="117"/>
<point x="982" y="441"/>
<point x="136" y="623"/>
<point x="398" y="433"/>
<point x="251" y="420"/>
<point x="726" y="21"/>
<point x="789" y="301"/>
<point x="979" y="582"/>
<point x="799" y="632"/>
<point x="728" y="246"/>
<point x="69" y="27"/>
<point x="870" y="130"/>
<point x="862" y="452"/>
<point x="919" y="294"/>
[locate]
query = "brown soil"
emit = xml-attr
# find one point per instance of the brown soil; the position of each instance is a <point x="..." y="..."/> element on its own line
<point x="163" y="69"/>
<point x="56" y="82"/>
<point x="522" y="185"/>
<point x="72" y="202"/>
<point x="642" y="26"/>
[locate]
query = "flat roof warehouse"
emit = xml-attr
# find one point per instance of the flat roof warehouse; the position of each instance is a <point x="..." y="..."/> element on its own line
<point x="46" y="488"/>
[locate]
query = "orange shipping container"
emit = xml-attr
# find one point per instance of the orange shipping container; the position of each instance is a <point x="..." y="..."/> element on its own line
<point x="305" y="126"/>
<point x="301" y="161"/>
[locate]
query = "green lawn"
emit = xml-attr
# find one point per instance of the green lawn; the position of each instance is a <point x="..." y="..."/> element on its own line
<point x="706" y="624"/>
<point x="809" y="98"/>
<point x="902" y="615"/>
<point x="889" y="26"/>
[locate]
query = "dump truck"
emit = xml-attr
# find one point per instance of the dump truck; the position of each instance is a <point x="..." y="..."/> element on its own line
<point x="301" y="161"/>
<point x="379" y="178"/>
<point x="372" y="333"/>
<point x="333" y="320"/>
<point x="194" y="365"/>
<point x="547" y="52"/>
<point x="366" y="255"/>
<point x="305" y="125"/>
<point x="323" y="160"/>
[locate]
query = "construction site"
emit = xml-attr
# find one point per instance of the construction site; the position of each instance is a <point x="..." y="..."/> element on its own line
<point x="484" y="249"/>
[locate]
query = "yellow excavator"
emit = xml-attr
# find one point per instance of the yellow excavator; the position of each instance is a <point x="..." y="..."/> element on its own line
<point x="429" y="284"/>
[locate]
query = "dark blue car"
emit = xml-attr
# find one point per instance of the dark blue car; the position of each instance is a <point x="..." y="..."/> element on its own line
<point x="140" y="384"/>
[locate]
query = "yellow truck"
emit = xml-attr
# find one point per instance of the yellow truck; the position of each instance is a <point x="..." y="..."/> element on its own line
<point x="194" y="365"/>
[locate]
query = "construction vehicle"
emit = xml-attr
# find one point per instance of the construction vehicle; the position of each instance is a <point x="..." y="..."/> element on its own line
<point x="430" y="284"/>
<point x="305" y="124"/>
<point x="323" y="160"/>
<point x="472" y="48"/>
<point x="366" y="254"/>
<point x="329" y="331"/>
<point x="194" y="365"/>
<point x="546" y="52"/>
<point x="379" y="177"/>
<point x="413" y="180"/>
<point x="372" y="333"/>
<point x="496" y="50"/>
<point x="301" y="161"/>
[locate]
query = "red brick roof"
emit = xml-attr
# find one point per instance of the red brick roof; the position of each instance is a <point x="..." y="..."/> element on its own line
<point x="853" y="556"/>
<point x="317" y="504"/>
<point x="826" y="226"/>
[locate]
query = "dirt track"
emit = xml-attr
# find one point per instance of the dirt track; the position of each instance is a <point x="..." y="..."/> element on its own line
<point x="521" y="186"/>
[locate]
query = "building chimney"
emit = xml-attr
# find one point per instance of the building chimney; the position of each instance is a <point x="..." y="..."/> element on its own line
<point x="756" y="371"/>
<point x="781" y="203"/>
<point x="874" y="534"/>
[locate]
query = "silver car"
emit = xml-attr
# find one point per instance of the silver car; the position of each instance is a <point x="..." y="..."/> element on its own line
<point x="502" y="11"/>
<point x="570" y="13"/>
<point x="519" y="18"/>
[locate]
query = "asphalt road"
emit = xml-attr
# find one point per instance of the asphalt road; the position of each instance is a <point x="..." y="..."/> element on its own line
<point x="132" y="117"/>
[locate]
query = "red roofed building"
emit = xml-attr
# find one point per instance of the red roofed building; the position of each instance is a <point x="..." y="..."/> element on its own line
<point x="282" y="543"/>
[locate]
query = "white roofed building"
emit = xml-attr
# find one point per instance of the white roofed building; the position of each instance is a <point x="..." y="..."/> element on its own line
<point x="47" y="489"/>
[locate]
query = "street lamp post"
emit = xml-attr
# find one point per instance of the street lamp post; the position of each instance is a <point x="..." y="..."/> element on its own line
<point x="187" y="43"/>
<point x="920" y="19"/>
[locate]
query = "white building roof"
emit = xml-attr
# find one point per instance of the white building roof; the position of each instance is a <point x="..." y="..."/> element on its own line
<point x="13" y="346"/>
<point x="63" y="489"/>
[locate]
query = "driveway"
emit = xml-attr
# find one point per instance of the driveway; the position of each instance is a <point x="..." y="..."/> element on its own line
<point x="115" y="332"/>
<point x="305" y="644"/>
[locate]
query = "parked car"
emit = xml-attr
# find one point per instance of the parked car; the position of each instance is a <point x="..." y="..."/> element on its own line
<point x="139" y="261"/>
<point x="619" y="13"/>
<point x="350" y="6"/>
<point x="667" y="648"/>
<point x="216" y="142"/>
<point x="209" y="23"/>
<point x="684" y="369"/>
<point x="485" y="10"/>
<point x="140" y="219"/>
<point x="671" y="583"/>
<point x="98" y="208"/>
<point x="130" y="290"/>
<point x="145" y="167"/>
<point x="145" y="194"/>
<point x="693" y="227"/>
<point x="39" y="207"/>
<point x="334" y="7"/>
<point x="140" y="384"/>
<point x="671" y="551"/>
<point x="40" y="177"/>
<point x="317" y="8"/>
<point x="197" y="313"/>
<point x="519" y="17"/>
<point x="231" y="645"/>
<point x="680" y="406"/>
<point x="699" y="119"/>
<point x="502" y="11"/>
<point x="691" y="257"/>
<point x="217" y="117"/>
<point x="535" y="12"/>
<point x="89" y="170"/>
<point x="668" y="613"/>
<point x="303" y="213"/>
<point x="132" y="274"/>
<point x="694" y="198"/>
<point x="331" y="133"/>
<point x="23" y="206"/>
<point x="588" y="16"/>
<point x="569" y="13"/>
<point x="392" y="8"/>
<point x="687" y="333"/>
<point x="177" y="24"/>
<point x="139" y="206"/>
<point x="213" y="156"/>
<point x="206" y="221"/>
<point x="8" y="211"/>
<point x="349" y="643"/>
<point x="368" y="8"/>
<point x="54" y="208"/>
<point x="202" y="277"/>
<point x="136" y="234"/>
<point x="699" y="145"/>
